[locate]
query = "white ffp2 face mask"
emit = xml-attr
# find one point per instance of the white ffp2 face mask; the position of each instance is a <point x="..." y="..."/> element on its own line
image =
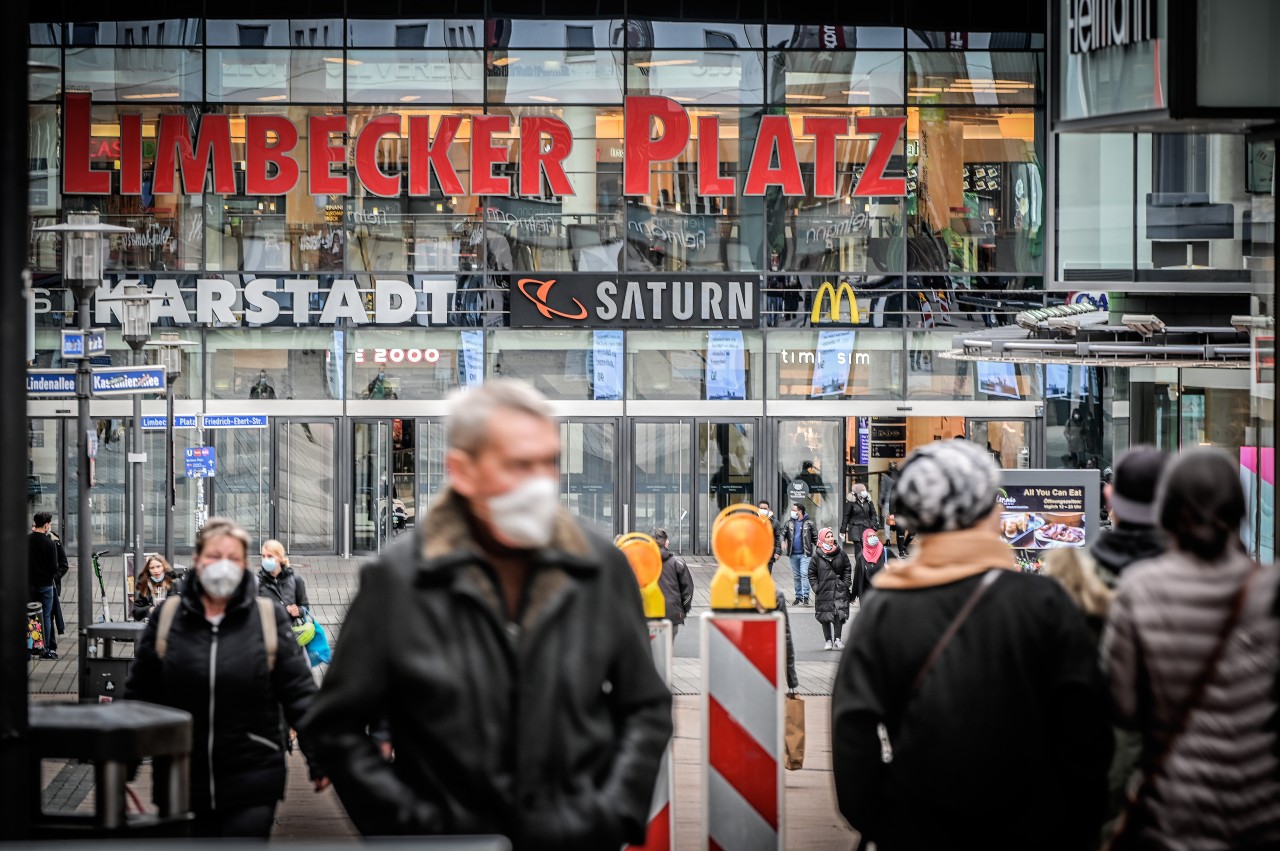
<point x="220" y="579"/>
<point x="525" y="516"/>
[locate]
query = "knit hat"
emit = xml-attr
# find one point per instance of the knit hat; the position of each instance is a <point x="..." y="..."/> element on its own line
<point x="1133" y="491"/>
<point x="945" y="486"/>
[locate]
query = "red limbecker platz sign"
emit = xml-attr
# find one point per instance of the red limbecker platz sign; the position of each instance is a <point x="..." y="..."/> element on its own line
<point x="657" y="130"/>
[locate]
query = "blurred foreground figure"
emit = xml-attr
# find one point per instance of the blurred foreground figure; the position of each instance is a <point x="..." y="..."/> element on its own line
<point x="506" y="649"/>
<point x="1191" y="650"/>
<point x="969" y="710"/>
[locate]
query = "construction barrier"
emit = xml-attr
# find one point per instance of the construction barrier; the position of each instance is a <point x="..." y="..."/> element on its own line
<point x="743" y="685"/>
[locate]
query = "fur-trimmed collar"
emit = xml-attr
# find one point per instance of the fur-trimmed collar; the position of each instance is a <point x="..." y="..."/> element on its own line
<point x="448" y="548"/>
<point x="940" y="558"/>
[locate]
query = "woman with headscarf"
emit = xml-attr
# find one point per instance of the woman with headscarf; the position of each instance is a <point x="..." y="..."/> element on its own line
<point x="870" y="557"/>
<point x="970" y="711"/>
<point x="1190" y="648"/>
<point x="831" y="579"/>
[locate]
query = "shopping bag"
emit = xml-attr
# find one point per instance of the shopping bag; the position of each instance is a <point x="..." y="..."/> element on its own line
<point x="795" y="733"/>
<point x="318" y="650"/>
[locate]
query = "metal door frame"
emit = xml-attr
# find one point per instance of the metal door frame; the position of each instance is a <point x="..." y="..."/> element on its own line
<point x="621" y="442"/>
<point x="349" y="523"/>
<point x="279" y="424"/>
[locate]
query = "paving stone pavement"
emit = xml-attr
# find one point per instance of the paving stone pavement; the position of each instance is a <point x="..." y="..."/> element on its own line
<point x="332" y="582"/>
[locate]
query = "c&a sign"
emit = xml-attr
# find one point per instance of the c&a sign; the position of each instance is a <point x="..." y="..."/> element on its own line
<point x="634" y="301"/>
<point x="656" y="130"/>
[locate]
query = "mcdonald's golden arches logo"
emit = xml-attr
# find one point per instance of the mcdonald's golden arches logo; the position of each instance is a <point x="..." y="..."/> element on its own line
<point x="835" y="296"/>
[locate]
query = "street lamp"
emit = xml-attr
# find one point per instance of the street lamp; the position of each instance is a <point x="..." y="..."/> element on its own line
<point x="170" y="354"/>
<point x="82" y="259"/>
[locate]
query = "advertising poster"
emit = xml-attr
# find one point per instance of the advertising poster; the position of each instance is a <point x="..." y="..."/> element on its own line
<point x="1042" y="510"/>
<point x="726" y="365"/>
<point x="606" y="365"/>
<point x="471" y="367"/>
<point x="831" y="372"/>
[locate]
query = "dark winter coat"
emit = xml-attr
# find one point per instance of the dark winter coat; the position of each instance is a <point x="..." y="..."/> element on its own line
<point x="144" y="597"/>
<point x="793" y="682"/>
<point x="1006" y="743"/>
<point x="677" y="586"/>
<point x="287" y="588"/>
<point x="808" y="536"/>
<point x="1123" y="545"/>
<point x="548" y="729"/>
<point x="830" y="577"/>
<point x="237" y="751"/>
<point x="864" y="571"/>
<point x="42" y="560"/>
<point x="858" y="515"/>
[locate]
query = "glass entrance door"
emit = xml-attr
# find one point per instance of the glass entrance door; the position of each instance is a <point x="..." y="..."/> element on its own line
<point x="588" y="454"/>
<point x="305" y="461"/>
<point x="662" y="480"/>
<point x="384" y="476"/>
<point x="726" y="471"/>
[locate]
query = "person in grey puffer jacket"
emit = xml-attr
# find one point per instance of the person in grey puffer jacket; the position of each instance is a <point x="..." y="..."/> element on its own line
<point x="1218" y="787"/>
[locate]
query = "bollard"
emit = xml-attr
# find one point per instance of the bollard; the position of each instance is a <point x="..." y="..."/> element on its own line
<point x="743" y="675"/>
<point x="646" y="562"/>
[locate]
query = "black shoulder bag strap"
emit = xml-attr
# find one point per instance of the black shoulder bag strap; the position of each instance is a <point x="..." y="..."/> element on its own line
<point x="988" y="579"/>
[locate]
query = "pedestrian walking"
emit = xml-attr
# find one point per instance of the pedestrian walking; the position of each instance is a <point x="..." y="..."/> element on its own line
<point x="969" y="710"/>
<point x="859" y="515"/>
<point x="64" y="567"/>
<point x="675" y="581"/>
<point x="798" y="540"/>
<point x="277" y="580"/>
<point x="1190" y="649"/>
<point x="869" y="559"/>
<point x="228" y="658"/>
<point x="831" y="578"/>
<point x="152" y="586"/>
<point x="767" y="513"/>
<point x="505" y="648"/>
<point x="1131" y="498"/>
<point x="42" y="572"/>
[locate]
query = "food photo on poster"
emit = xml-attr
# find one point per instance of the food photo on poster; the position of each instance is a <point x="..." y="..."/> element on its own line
<point x="1046" y="511"/>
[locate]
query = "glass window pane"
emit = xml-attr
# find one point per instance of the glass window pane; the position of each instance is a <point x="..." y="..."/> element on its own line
<point x="980" y="204"/>
<point x="305" y="76"/>
<point x="804" y="78"/>
<point x="44" y="69"/>
<point x="838" y="363"/>
<point x="415" y="76"/>
<point x="134" y="74"/>
<point x="588" y="470"/>
<point x="694" y="365"/>
<point x="561" y="364"/>
<point x="1095" y="207"/>
<point x="813" y="452"/>
<point x="301" y="32"/>
<point x="726" y="471"/>
<point x="551" y="76"/>
<point x="663" y="481"/>
<point x="242" y="488"/>
<point x="410" y="34"/>
<point x="833" y="37"/>
<point x="405" y="364"/>
<point x="306" y="454"/>
<point x="980" y="78"/>
<point x="44" y="182"/>
<point x="639" y="34"/>
<point x="276" y="363"/>
<point x="702" y="76"/>
<point x="170" y="31"/>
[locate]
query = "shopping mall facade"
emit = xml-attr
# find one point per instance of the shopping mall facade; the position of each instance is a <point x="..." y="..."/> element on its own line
<point x="739" y="256"/>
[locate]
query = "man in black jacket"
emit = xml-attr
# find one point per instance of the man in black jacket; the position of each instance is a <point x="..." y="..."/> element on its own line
<point x="1132" y="497"/>
<point x="42" y="572"/>
<point x="506" y="650"/>
<point x="676" y="583"/>
<point x="798" y="538"/>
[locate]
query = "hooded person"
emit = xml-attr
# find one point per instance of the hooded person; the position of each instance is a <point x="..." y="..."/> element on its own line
<point x="1133" y="535"/>
<point x="859" y="514"/>
<point x="962" y="666"/>
<point x="870" y="557"/>
<point x="830" y="578"/>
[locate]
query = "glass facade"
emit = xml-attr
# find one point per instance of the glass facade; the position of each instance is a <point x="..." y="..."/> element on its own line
<point x="349" y="317"/>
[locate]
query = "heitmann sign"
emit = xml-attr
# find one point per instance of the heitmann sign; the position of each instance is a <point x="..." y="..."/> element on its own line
<point x="657" y="130"/>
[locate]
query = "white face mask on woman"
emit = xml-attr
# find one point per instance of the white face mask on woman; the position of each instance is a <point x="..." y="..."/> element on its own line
<point x="220" y="579"/>
<point x="525" y="515"/>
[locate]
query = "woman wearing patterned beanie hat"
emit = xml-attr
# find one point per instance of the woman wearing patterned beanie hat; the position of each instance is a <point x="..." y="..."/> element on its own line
<point x="970" y="691"/>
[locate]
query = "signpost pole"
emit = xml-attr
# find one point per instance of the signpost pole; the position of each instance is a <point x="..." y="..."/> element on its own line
<point x="169" y="483"/>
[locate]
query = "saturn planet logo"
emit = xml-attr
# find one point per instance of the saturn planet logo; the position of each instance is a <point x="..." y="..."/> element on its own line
<point x="539" y="299"/>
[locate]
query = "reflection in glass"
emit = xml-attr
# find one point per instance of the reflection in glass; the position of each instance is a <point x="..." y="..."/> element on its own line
<point x="708" y="365"/>
<point x="558" y="363"/>
<point x="304" y="478"/>
<point x="663" y="481"/>
<point x="588" y="458"/>
<point x="832" y="78"/>
<point x="415" y="76"/>
<point x="835" y="364"/>
<point x="242" y="488"/>
<point x="726" y="472"/>
<point x="266" y="364"/>
<point x="975" y="77"/>
<point x="706" y="76"/>
<point x="244" y="75"/>
<point x="810" y="451"/>
<point x="404" y="364"/>
<point x="551" y="76"/>
<point x="135" y="74"/>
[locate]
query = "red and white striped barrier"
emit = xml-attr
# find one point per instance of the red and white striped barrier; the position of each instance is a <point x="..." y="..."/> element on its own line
<point x="742" y="731"/>
<point x="662" y="823"/>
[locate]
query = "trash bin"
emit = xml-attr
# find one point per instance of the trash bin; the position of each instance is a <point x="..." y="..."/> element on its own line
<point x="109" y="669"/>
<point x="112" y="737"/>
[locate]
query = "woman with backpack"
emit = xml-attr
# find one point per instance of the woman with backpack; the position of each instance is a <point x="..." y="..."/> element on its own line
<point x="228" y="657"/>
<point x="830" y="578"/>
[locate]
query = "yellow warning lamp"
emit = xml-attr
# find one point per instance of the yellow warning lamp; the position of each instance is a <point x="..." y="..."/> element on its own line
<point x="742" y="541"/>
<point x="646" y="563"/>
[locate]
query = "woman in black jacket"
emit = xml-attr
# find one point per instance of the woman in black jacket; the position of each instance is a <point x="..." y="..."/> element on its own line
<point x="156" y="582"/>
<point x="830" y="577"/>
<point x="216" y="666"/>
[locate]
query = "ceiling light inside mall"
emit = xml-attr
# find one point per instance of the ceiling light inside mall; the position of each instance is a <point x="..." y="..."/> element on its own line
<point x="339" y="60"/>
<point x="151" y="95"/>
<point x="506" y="60"/>
<point x="795" y="96"/>
<point x="274" y="97"/>
<point x="544" y="98"/>
<point x="410" y="98"/>
<point x="862" y="92"/>
<point x="658" y="63"/>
